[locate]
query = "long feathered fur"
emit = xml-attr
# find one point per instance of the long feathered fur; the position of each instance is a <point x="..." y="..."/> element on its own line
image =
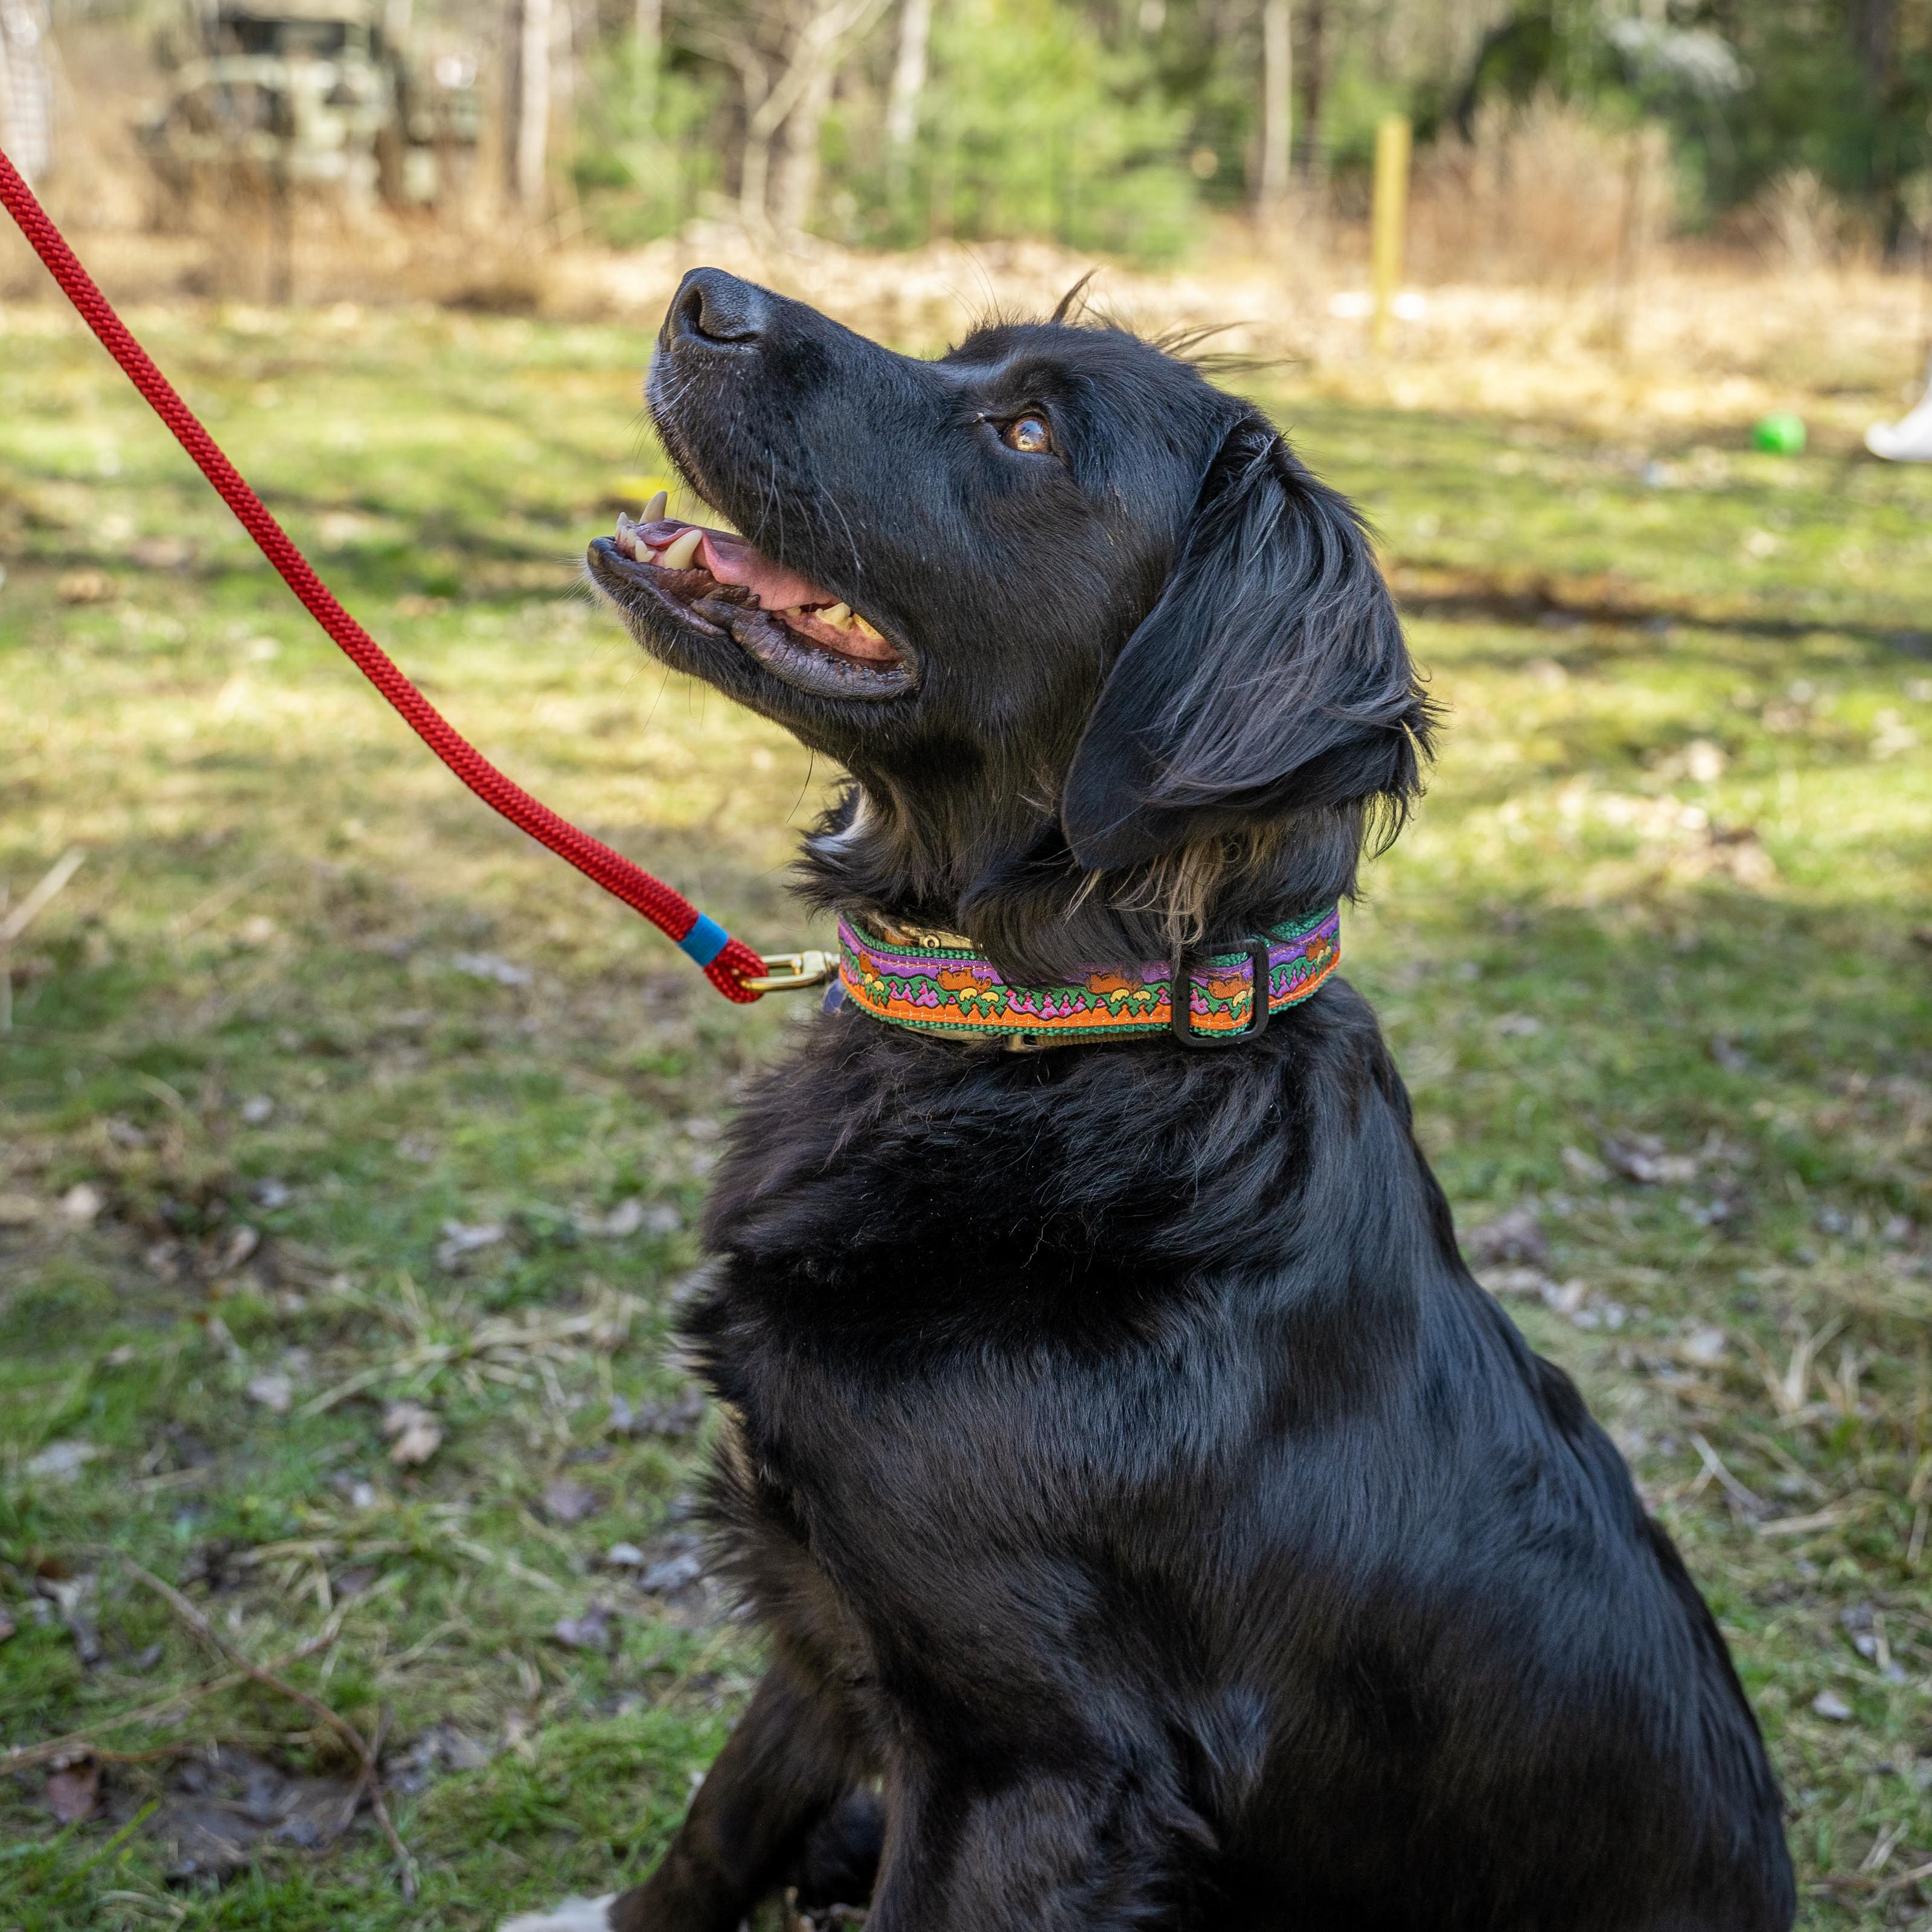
<point x="1153" y="1523"/>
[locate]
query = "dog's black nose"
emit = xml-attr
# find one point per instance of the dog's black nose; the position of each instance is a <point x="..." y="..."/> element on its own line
<point x="712" y="307"/>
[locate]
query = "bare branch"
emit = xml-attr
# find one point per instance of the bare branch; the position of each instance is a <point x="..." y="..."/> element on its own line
<point x="367" y="1752"/>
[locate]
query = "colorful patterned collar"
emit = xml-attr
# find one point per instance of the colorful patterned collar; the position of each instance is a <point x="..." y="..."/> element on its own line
<point x="937" y="983"/>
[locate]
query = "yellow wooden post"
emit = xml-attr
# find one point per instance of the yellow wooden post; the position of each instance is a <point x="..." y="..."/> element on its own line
<point x="1390" y="218"/>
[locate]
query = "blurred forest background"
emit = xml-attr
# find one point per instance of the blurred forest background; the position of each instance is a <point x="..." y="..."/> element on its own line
<point x="1557" y="140"/>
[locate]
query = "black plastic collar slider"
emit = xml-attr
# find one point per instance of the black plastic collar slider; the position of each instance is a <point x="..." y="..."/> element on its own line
<point x="1180" y="999"/>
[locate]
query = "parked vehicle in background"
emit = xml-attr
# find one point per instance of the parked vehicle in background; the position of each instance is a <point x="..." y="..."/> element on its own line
<point x="26" y="88"/>
<point x="313" y="95"/>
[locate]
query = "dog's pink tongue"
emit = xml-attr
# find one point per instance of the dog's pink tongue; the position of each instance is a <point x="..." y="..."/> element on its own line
<point x="732" y="560"/>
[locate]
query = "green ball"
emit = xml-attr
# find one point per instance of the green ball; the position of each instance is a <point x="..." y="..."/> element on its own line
<point x="1780" y="434"/>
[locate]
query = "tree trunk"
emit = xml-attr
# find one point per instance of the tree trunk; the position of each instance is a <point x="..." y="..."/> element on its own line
<point x="1314" y="76"/>
<point x="902" y="103"/>
<point x="1277" y="104"/>
<point x="801" y="92"/>
<point x="754" y="162"/>
<point x="648" y="35"/>
<point x="26" y="88"/>
<point x="1874" y="28"/>
<point x="529" y="154"/>
<point x="798" y="171"/>
<point x="1875" y="33"/>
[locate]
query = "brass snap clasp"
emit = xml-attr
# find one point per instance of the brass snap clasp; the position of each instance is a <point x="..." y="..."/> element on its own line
<point x="793" y="971"/>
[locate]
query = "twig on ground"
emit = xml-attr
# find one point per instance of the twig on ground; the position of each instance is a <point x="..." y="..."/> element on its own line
<point x="43" y="896"/>
<point x="1788" y="1462"/>
<point x="16" y="921"/>
<point x="217" y="902"/>
<point x="366" y="1780"/>
<point x="506" y="1341"/>
<point x="365" y="1751"/>
<point x="1898" y="1884"/>
<point x="1746" y="1501"/>
<point x="1789" y="1388"/>
<point x="1841" y="1511"/>
<point x="25" y="1757"/>
<point x="173" y="1479"/>
<point x="481" y="1552"/>
<point x="1883" y="1845"/>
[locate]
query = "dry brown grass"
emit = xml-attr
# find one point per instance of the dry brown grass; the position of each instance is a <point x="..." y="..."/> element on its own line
<point x="1676" y="342"/>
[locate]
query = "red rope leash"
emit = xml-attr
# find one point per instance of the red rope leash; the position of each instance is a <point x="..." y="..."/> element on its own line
<point x="728" y="962"/>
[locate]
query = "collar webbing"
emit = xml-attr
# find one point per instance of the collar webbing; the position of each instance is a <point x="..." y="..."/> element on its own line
<point x="937" y="983"/>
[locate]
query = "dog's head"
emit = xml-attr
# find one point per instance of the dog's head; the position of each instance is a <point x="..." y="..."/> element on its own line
<point x="1111" y="670"/>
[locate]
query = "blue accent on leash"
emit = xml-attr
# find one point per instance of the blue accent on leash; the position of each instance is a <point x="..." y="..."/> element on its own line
<point x="705" y="940"/>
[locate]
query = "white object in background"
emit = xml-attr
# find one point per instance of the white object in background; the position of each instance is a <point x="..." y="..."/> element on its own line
<point x="1357" y="305"/>
<point x="26" y="88"/>
<point x="574" y="1914"/>
<point x="1910" y="441"/>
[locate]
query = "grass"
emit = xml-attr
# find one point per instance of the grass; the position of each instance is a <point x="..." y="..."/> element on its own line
<point x="325" y="1092"/>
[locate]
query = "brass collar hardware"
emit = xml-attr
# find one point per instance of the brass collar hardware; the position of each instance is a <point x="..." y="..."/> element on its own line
<point x="901" y="933"/>
<point x="793" y="971"/>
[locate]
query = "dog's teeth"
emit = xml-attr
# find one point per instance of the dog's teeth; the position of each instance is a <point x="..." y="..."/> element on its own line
<point x="677" y="556"/>
<point x="866" y="630"/>
<point x="839" y="616"/>
<point x="655" y="509"/>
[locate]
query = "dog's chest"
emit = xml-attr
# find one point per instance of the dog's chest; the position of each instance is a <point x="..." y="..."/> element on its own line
<point x="886" y="1545"/>
<point x="841" y="1505"/>
<point x="770" y="1526"/>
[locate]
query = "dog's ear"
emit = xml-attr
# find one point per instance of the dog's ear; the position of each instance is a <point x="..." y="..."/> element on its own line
<point x="1270" y="678"/>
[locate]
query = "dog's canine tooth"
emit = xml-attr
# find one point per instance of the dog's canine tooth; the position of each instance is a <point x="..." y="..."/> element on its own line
<point x="866" y="630"/>
<point x="655" y="509"/>
<point x="678" y="554"/>
<point x="839" y="616"/>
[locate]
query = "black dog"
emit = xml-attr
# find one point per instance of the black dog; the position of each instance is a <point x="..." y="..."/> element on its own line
<point x="1154" y="1523"/>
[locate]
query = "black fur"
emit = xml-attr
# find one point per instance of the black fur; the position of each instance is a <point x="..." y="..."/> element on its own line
<point x="1134" y="1482"/>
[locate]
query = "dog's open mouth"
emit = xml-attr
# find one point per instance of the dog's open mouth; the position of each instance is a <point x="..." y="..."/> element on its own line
<point x="717" y="583"/>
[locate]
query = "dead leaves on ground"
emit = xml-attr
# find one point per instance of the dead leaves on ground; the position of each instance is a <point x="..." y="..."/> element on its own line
<point x="592" y="1630"/>
<point x="680" y="1417"/>
<point x="273" y="1389"/>
<point x="73" y="1791"/>
<point x="413" y="1433"/>
<point x="567" y="1501"/>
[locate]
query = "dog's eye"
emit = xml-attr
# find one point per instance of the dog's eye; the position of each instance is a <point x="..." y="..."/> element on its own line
<point x="1029" y="435"/>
